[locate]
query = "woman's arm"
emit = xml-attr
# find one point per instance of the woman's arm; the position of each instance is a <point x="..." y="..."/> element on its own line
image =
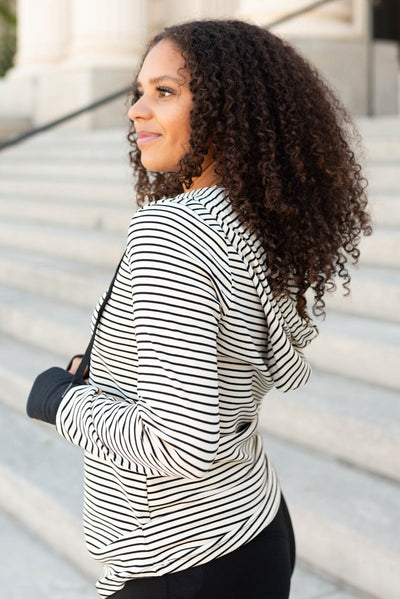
<point x="173" y="427"/>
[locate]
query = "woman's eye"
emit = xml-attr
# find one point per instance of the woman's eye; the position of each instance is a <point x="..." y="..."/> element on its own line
<point x="165" y="91"/>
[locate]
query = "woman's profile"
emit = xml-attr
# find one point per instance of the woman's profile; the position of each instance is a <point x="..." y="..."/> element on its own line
<point x="249" y="196"/>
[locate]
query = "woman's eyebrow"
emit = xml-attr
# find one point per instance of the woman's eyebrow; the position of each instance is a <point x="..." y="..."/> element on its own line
<point x="160" y="78"/>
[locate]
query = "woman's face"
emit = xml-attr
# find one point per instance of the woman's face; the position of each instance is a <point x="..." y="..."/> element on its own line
<point x="161" y="115"/>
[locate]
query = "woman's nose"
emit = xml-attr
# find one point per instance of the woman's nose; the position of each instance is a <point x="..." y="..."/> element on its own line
<point x="139" y="110"/>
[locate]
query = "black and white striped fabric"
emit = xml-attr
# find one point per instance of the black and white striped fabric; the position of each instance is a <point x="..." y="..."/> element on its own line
<point x="189" y="342"/>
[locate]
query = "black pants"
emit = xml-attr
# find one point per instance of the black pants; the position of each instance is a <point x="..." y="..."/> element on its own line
<point x="261" y="569"/>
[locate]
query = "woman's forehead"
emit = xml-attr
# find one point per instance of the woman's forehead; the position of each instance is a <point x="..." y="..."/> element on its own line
<point x="164" y="60"/>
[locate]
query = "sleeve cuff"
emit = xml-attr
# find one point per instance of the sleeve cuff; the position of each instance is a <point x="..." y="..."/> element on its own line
<point x="47" y="393"/>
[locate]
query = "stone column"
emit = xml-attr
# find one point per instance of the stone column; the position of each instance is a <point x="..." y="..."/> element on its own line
<point x="107" y="40"/>
<point x="107" y="33"/>
<point x="43" y="34"/>
<point x="42" y="42"/>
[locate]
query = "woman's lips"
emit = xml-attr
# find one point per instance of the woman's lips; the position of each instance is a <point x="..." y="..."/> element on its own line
<point x="145" y="137"/>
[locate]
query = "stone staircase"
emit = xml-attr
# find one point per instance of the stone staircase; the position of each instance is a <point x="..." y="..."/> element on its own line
<point x="65" y="203"/>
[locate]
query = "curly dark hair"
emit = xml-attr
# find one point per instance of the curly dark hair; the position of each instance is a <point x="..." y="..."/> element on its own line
<point x="282" y="146"/>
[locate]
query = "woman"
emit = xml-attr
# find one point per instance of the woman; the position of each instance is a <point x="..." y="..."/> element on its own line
<point x="250" y="196"/>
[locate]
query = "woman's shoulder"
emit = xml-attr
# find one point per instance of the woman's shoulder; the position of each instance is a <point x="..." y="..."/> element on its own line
<point x="189" y="214"/>
<point x="183" y="221"/>
<point x="196" y="202"/>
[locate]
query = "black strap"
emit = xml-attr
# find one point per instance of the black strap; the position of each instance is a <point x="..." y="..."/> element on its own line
<point x="85" y="362"/>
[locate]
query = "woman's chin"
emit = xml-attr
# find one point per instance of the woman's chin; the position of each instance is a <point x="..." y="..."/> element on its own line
<point x="155" y="167"/>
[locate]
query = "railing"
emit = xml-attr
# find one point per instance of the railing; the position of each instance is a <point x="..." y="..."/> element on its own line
<point x="298" y="13"/>
<point x="71" y="115"/>
<point x="109" y="98"/>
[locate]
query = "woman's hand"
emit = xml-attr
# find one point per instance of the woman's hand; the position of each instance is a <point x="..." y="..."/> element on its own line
<point x="74" y="365"/>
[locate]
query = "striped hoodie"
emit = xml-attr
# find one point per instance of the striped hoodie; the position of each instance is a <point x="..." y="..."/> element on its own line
<point x="188" y="345"/>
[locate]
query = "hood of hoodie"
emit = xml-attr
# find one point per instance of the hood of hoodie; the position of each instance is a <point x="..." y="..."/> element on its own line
<point x="288" y="332"/>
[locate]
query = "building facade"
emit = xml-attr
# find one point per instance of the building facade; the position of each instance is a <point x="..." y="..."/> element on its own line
<point x="72" y="52"/>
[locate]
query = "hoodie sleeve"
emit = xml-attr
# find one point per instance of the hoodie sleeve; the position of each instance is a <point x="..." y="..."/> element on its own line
<point x="173" y="426"/>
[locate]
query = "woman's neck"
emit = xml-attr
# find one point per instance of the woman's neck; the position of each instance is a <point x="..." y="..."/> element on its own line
<point x="208" y="177"/>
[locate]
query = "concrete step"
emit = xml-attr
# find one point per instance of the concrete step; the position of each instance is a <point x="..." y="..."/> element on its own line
<point x="363" y="349"/>
<point x="108" y="144"/>
<point x="32" y="569"/>
<point x="382" y="149"/>
<point x="49" y="506"/>
<point x="64" y="140"/>
<point x="64" y="136"/>
<point x="308" y="583"/>
<point x="71" y="191"/>
<point x="385" y="210"/>
<point x="352" y="421"/>
<point x="346" y="521"/>
<point x="383" y="176"/>
<point x="67" y="281"/>
<point x="382" y="127"/>
<point x="381" y="249"/>
<point x="374" y="293"/>
<point x="54" y="327"/>
<point x="67" y="170"/>
<point x="102" y="248"/>
<point x="57" y="152"/>
<point x="20" y="363"/>
<point x="32" y="449"/>
<point x="99" y="217"/>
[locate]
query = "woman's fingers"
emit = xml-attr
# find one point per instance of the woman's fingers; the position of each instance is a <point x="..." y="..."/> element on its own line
<point x="74" y="366"/>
